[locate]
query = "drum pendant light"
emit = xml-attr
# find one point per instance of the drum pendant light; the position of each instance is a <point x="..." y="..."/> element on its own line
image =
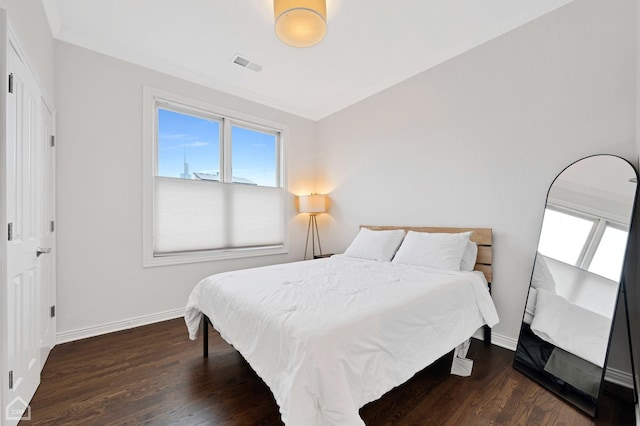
<point x="300" y="23"/>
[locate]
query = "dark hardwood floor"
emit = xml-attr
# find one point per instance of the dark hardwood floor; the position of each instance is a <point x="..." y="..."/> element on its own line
<point x="155" y="375"/>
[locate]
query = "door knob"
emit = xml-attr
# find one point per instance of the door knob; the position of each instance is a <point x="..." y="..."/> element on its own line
<point x="40" y="251"/>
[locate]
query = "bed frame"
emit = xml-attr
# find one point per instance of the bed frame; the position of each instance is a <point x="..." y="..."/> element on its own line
<point x="481" y="236"/>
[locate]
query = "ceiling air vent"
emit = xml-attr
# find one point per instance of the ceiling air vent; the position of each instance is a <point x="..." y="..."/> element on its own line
<point x="246" y="63"/>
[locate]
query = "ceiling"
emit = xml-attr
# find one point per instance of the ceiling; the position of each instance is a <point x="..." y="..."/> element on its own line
<point x="370" y="44"/>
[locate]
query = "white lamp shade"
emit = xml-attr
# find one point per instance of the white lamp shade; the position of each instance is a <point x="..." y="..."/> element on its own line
<point x="300" y="23"/>
<point x="314" y="203"/>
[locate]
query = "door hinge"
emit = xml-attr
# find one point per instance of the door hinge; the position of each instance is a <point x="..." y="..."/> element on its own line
<point x="53" y="311"/>
<point x="11" y="83"/>
<point x="53" y="140"/>
<point x="52" y="226"/>
<point x="10" y="231"/>
<point x="10" y="379"/>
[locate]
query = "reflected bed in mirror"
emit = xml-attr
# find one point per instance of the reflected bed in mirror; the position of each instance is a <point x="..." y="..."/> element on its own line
<point x="566" y="328"/>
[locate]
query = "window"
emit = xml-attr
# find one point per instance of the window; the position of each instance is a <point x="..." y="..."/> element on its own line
<point x="564" y="236"/>
<point x="609" y="256"/>
<point x="214" y="183"/>
<point x="253" y="156"/>
<point x="186" y="140"/>
<point x="589" y="242"/>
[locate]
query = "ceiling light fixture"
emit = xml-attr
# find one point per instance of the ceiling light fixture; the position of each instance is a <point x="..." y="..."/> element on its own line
<point x="300" y="23"/>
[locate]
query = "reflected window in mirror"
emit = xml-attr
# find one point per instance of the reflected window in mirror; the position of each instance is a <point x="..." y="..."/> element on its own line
<point x="564" y="235"/>
<point x="594" y="243"/>
<point x="609" y="256"/>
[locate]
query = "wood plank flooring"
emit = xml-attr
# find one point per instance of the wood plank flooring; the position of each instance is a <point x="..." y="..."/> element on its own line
<point x="155" y="375"/>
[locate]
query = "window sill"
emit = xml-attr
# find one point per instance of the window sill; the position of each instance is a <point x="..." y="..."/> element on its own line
<point x="210" y="256"/>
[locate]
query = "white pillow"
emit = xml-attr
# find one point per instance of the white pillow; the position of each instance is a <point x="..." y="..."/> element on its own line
<point x="375" y="245"/>
<point x="542" y="277"/>
<point x="469" y="257"/>
<point x="440" y="251"/>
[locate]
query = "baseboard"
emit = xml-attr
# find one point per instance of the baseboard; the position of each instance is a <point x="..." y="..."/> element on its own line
<point x="83" y="333"/>
<point x="618" y="377"/>
<point x="504" y="342"/>
<point x="498" y="340"/>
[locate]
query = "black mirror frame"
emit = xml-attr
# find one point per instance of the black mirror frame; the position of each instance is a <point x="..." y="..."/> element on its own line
<point x="580" y="401"/>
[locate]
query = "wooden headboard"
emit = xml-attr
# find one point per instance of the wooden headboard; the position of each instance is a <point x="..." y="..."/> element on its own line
<point x="481" y="236"/>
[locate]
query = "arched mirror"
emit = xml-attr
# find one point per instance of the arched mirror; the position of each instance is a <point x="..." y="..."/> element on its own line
<point x="566" y="327"/>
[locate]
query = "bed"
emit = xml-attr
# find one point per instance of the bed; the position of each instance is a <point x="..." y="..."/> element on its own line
<point x="330" y="335"/>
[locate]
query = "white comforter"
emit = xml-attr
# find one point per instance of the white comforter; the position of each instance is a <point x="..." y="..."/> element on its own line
<point x="575" y="329"/>
<point x="330" y="335"/>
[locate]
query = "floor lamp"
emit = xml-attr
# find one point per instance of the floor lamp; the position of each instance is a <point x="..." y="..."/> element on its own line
<point x="312" y="204"/>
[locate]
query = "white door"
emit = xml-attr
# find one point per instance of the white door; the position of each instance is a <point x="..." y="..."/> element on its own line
<point x="26" y="196"/>
<point x="47" y="281"/>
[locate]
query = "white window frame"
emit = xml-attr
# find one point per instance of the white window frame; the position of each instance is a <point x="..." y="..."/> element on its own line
<point x="152" y="97"/>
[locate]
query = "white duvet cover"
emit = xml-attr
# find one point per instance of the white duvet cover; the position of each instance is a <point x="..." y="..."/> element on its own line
<point x="330" y="335"/>
<point x="575" y="329"/>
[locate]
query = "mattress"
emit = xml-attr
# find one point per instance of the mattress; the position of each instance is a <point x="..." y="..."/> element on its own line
<point x="330" y="335"/>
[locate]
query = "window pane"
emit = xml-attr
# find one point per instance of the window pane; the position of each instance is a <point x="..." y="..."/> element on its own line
<point x="563" y="236"/>
<point x="253" y="157"/>
<point x="188" y="146"/>
<point x="609" y="255"/>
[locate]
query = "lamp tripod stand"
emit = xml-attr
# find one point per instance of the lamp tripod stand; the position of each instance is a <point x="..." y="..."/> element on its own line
<point x="313" y="204"/>
<point x="312" y="229"/>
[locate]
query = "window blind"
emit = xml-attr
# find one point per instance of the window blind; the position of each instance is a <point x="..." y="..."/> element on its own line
<point x="194" y="215"/>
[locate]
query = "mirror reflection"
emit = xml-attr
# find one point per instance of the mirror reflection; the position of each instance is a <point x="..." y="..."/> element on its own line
<point x="575" y="281"/>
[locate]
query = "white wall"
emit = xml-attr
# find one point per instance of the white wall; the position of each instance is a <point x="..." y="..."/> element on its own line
<point x="478" y="140"/>
<point x="100" y="275"/>
<point x="28" y="20"/>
